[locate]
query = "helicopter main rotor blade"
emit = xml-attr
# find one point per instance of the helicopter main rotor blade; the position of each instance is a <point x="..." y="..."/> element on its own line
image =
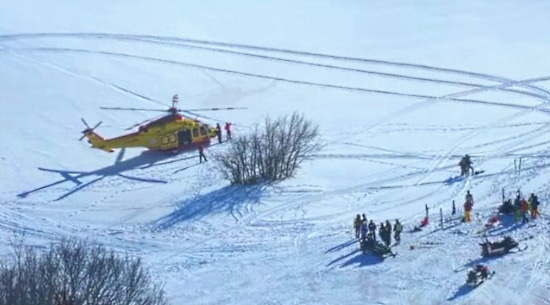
<point x="132" y="109"/>
<point x="143" y="122"/>
<point x="190" y="113"/>
<point x="213" y="109"/>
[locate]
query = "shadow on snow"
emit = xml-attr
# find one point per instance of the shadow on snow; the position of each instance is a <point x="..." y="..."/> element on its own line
<point x="507" y="225"/>
<point x="356" y="258"/>
<point x="228" y="199"/>
<point x="342" y="245"/>
<point x="462" y="291"/>
<point x="145" y="160"/>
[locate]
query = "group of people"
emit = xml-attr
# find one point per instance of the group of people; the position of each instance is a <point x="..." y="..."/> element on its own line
<point x="522" y="208"/>
<point x="227" y="128"/>
<point x="367" y="230"/>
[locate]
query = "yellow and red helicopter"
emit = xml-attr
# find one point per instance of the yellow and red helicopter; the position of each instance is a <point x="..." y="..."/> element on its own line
<point x="170" y="132"/>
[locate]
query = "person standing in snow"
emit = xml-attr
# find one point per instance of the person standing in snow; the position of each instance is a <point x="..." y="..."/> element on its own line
<point x="388" y="232"/>
<point x="201" y="153"/>
<point x="372" y="229"/>
<point x="382" y="232"/>
<point x="517" y="206"/>
<point x="397" y="228"/>
<point x="534" y="206"/>
<point x="228" y="130"/>
<point x="465" y="165"/>
<point x="219" y="132"/>
<point x="357" y="225"/>
<point x="468" y="206"/>
<point x="364" y="230"/>
<point x="364" y="226"/>
<point x="524" y="208"/>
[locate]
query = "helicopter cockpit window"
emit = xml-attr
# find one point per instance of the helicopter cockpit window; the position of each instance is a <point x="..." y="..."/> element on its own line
<point x="203" y="131"/>
<point x="195" y="132"/>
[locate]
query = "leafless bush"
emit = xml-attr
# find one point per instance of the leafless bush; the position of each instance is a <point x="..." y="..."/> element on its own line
<point x="271" y="152"/>
<point x="75" y="273"/>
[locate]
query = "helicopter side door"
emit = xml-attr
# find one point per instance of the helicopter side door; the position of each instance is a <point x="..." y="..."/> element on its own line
<point x="184" y="137"/>
<point x="195" y="133"/>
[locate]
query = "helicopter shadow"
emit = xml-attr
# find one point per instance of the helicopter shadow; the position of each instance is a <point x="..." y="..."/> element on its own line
<point x="228" y="199"/>
<point x="145" y="160"/>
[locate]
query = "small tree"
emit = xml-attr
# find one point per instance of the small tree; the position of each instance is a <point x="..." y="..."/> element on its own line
<point x="75" y="273"/>
<point x="270" y="152"/>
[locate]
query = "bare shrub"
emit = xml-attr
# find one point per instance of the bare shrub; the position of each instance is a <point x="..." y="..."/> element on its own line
<point x="271" y="152"/>
<point x="75" y="273"/>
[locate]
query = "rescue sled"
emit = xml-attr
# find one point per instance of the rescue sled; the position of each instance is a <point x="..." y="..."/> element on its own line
<point x="371" y="246"/>
<point x="498" y="248"/>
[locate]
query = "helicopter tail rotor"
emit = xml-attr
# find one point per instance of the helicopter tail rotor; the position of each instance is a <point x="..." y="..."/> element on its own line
<point x="88" y="128"/>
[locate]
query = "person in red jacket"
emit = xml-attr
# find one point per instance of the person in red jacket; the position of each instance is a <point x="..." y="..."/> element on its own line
<point x="228" y="130"/>
<point x="524" y="207"/>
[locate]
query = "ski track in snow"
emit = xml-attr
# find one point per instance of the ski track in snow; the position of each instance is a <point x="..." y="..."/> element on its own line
<point x="479" y="88"/>
<point x="247" y="218"/>
<point x="149" y="38"/>
<point x="310" y="83"/>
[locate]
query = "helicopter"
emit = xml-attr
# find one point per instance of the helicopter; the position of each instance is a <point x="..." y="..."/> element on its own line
<point x="170" y="132"/>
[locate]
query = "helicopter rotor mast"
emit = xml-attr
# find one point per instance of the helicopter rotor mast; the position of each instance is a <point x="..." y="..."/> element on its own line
<point x="175" y="100"/>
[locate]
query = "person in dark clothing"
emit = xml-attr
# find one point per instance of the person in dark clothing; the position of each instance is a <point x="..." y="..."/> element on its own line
<point x="372" y="229"/>
<point x="219" y="132"/>
<point x="534" y="200"/>
<point x="201" y="153"/>
<point x="465" y="165"/>
<point x="517" y="207"/>
<point x="385" y="234"/>
<point x="388" y="232"/>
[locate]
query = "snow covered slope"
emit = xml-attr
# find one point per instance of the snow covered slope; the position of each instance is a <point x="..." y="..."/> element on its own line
<point x="400" y="89"/>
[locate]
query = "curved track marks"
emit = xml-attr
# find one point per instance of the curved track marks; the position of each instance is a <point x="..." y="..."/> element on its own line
<point x="270" y="49"/>
<point x="314" y="84"/>
<point x="310" y="83"/>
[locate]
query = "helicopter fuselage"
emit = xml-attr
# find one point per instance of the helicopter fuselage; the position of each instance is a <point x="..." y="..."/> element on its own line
<point x="167" y="133"/>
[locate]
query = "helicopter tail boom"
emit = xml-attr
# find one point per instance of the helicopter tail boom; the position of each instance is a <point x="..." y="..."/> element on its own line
<point x="97" y="141"/>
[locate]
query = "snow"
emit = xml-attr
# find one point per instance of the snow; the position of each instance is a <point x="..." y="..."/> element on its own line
<point x="400" y="91"/>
